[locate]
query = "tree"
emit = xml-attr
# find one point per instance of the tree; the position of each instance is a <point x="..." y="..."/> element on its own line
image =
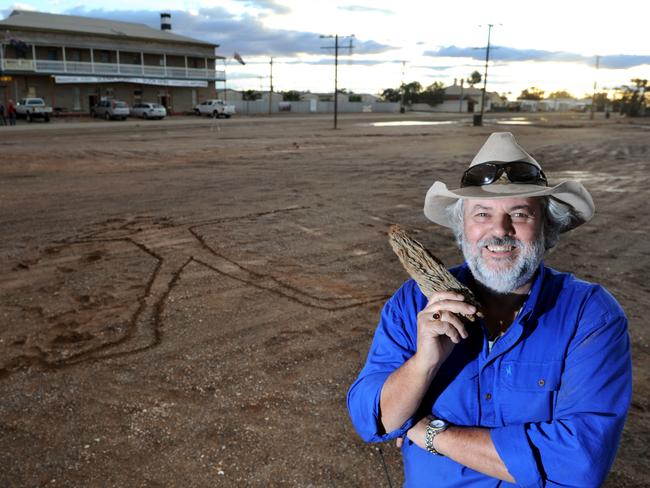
<point x="411" y="91"/>
<point x="561" y="94"/>
<point x="634" y="99"/>
<point x="434" y="94"/>
<point x="291" y="96"/>
<point x="474" y="79"/>
<point x="600" y="101"/>
<point x="391" y="95"/>
<point x="251" y="95"/>
<point x="532" y="93"/>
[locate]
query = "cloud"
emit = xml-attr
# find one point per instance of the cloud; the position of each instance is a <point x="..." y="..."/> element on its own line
<point x="361" y="8"/>
<point x="271" y="5"/>
<point x="510" y="54"/>
<point x="4" y="12"/>
<point x="345" y="61"/>
<point x="242" y="33"/>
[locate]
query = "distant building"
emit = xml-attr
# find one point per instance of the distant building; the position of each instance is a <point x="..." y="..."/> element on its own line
<point x="463" y="99"/>
<point x="73" y="62"/>
<point x="563" y="105"/>
<point x="553" y="105"/>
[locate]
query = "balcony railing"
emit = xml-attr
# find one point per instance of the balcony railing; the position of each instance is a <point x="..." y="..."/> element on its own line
<point x="111" y="69"/>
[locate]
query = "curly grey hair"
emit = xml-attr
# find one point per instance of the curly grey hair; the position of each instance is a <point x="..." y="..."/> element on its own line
<point x="558" y="216"/>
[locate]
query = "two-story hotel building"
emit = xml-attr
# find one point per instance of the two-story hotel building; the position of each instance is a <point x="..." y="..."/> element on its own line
<point x="73" y="62"/>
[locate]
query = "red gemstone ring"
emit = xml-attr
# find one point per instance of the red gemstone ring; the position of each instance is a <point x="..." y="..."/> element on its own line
<point x="436" y="316"/>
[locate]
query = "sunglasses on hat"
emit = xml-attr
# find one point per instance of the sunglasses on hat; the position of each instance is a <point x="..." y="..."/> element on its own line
<point x="516" y="172"/>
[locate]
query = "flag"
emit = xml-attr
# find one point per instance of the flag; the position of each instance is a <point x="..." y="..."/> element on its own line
<point x="238" y="58"/>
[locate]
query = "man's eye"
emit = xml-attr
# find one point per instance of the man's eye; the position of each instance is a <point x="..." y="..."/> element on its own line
<point x="521" y="215"/>
<point x="482" y="214"/>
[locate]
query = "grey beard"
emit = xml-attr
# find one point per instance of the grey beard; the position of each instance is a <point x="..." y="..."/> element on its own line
<point x="504" y="281"/>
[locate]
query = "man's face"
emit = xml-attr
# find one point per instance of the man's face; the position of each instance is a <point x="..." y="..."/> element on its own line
<point x="503" y="241"/>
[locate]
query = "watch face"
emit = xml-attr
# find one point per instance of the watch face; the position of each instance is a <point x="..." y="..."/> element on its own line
<point x="437" y="423"/>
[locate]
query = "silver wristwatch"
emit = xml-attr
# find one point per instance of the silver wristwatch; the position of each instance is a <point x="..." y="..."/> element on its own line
<point x="434" y="427"/>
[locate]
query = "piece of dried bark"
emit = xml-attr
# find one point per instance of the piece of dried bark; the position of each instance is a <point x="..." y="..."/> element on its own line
<point x="426" y="269"/>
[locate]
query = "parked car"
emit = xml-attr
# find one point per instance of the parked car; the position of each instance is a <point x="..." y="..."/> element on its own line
<point x="148" y="110"/>
<point x="33" y="108"/>
<point x="111" y="109"/>
<point x="214" y="108"/>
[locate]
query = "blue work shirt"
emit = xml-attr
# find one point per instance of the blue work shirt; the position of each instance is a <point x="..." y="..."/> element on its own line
<point x="554" y="390"/>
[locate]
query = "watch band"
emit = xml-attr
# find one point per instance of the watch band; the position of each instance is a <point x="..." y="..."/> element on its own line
<point x="434" y="427"/>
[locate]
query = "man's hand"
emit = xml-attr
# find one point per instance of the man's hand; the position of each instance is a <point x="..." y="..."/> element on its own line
<point x="404" y="389"/>
<point x="439" y="328"/>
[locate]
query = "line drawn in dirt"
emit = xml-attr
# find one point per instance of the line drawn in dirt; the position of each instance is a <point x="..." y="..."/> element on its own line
<point x="87" y="299"/>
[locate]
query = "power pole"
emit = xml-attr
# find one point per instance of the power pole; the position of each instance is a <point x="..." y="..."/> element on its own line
<point x="271" y="90"/>
<point x="593" y="94"/>
<point x="336" y="79"/>
<point x="401" y="89"/>
<point x="460" y="103"/>
<point x="487" y="59"/>
<point x="336" y="71"/>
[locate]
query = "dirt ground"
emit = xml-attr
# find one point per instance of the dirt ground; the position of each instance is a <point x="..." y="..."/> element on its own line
<point x="185" y="302"/>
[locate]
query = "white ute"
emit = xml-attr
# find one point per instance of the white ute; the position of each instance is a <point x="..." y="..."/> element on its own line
<point x="33" y="108"/>
<point x="214" y="108"/>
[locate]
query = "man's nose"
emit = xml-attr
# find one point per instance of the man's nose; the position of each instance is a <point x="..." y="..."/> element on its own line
<point x="502" y="226"/>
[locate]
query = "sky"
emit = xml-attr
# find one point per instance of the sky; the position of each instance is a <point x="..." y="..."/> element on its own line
<point x="552" y="45"/>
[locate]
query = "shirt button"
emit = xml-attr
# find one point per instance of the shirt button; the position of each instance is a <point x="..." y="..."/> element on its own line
<point x="541" y="382"/>
<point x="488" y="396"/>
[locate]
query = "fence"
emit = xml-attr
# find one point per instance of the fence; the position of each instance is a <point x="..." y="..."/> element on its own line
<point x="245" y="107"/>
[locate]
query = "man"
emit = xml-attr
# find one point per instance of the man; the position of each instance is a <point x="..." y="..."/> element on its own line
<point x="533" y="394"/>
<point x="11" y="112"/>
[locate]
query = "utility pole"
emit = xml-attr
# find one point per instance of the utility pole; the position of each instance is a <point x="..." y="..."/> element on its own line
<point x="593" y="94"/>
<point x="336" y="71"/>
<point x="487" y="59"/>
<point x="271" y="90"/>
<point x="460" y="103"/>
<point x="401" y="89"/>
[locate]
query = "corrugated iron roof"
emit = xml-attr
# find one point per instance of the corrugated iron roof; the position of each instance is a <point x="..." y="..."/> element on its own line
<point x="88" y="25"/>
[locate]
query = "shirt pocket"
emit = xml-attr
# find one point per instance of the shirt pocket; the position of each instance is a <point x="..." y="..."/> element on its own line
<point x="529" y="390"/>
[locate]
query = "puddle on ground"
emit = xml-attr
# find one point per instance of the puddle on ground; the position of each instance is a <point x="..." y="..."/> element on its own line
<point x="514" y="122"/>
<point x="403" y="123"/>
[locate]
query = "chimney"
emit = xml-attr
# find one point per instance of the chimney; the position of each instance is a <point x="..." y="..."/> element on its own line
<point x="455" y="81"/>
<point x="165" y="21"/>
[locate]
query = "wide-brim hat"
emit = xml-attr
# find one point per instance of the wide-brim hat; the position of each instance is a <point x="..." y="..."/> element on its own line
<point x="501" y="147"/>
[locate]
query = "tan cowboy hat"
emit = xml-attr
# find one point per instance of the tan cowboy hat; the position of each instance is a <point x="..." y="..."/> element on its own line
<point x="501" y="147"/>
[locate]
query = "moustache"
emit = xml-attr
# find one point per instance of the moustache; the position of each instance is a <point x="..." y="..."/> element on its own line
<point x="500" y="241"/>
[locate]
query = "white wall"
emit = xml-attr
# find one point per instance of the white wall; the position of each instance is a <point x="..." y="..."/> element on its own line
<point x="262" y="107"/>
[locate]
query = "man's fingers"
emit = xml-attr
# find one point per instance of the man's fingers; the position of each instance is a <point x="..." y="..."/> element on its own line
<point x="455" y="322"/>
<point x="444" y="323"/>
<point x="454" y="306"/>
<point x="445" y="328"/>
<point x="445" y="295"/>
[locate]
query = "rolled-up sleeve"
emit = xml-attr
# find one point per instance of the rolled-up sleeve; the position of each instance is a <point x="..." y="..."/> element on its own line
<point x="578" y="446"/>
<point x="392" y="345"/>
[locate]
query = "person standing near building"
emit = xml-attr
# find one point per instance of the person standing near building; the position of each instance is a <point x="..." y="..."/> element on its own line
<point x="11" y="112"/>
<point x="3" y="121"/>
